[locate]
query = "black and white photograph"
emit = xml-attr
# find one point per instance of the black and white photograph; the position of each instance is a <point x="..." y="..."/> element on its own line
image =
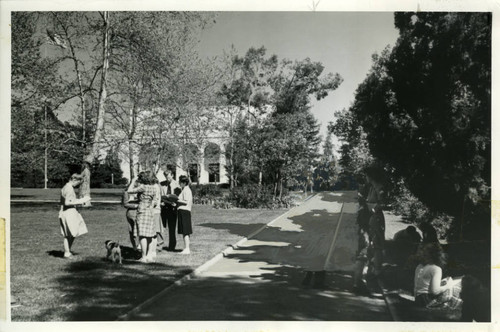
<point x="267" y="168"/>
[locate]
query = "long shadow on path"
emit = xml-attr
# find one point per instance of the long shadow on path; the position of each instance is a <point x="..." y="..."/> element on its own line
<point x="277" y="294"/>
<point x="262" y="279"/>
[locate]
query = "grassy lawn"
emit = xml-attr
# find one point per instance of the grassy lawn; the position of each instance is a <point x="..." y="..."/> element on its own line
<point x="46" y="287"/>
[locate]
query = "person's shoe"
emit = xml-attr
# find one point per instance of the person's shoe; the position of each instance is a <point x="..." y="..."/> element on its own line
<point x="68" y="255"/>
<point x="361" y="289"/>
<point x="307" y="279"/>
<point x="319" y="280"/>
<point x="185" y="252"/>
<point x="143" y="260"/>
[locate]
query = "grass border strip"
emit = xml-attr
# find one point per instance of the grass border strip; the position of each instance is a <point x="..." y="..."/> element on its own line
<point x="389" y="302"/>
<point x="203" y="267"/>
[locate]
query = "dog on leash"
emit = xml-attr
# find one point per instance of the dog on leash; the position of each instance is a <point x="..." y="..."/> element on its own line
<point x="114" y="251"/>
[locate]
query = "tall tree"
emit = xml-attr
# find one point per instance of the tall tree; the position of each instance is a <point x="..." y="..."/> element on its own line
<point x="39" y="141"/>
<point x="426" y="110"/>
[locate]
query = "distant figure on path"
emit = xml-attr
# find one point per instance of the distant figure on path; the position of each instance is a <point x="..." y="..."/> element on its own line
<point x="71" y="221"/>
<point x="371" y="233"/>
<point x="185" y="202"/>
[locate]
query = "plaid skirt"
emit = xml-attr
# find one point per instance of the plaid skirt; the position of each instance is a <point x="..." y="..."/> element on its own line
<point x="145" y="222"/>
<point x="157" y="221"/>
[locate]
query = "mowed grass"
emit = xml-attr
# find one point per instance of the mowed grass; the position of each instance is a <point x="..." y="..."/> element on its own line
<point x="46" y="287"/>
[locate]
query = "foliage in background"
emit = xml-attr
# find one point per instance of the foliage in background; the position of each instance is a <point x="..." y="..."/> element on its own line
<point x="107" y="172"/>
<point x="327" y="171"/>
<point x="275" y="141"/>
<point x="108" y="68"/>
<point x="425" y="107"/>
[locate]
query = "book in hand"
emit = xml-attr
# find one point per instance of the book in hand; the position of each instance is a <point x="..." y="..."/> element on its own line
<point x="170" y="198"/>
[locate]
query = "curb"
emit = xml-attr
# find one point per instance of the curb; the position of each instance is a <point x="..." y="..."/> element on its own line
<point x="388" y="301"/>
<point x="204" y="266"/>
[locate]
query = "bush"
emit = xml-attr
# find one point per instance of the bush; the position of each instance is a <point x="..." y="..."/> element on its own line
<point x="415" y="212"/>
<point x="206" y="193"/>
<point x="253" y="196"/>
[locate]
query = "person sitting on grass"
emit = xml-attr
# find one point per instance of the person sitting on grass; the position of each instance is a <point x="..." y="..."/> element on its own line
<point x="430" y="290"/>
<point x="476" y="301"/>
<point x="408" y="235"/>
<point x="185" y="202"/>
<point x="145" y="219"/>
<point x="70" y="220"/>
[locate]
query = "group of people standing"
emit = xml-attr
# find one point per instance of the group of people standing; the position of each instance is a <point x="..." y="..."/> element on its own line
<point x="153" y="206"/>
<point x="153" y="202"/>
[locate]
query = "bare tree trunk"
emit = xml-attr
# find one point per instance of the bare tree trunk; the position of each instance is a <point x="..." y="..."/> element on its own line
<point x="281" y="187"/>
<point x="231" y="156"/>
<point x="46" y="179"/>
<point x="94" y="151"/>
<point x="131" y="159"/>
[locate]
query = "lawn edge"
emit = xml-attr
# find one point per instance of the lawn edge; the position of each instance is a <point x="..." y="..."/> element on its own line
<point x="204" y="266"/>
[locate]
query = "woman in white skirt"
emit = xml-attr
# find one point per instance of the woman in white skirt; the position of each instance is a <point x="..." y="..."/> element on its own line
<point x="71" y="222"/>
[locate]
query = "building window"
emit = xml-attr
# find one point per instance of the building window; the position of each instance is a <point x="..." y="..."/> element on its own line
<point x="214" y="172"/>
<point x="194" y="171"/>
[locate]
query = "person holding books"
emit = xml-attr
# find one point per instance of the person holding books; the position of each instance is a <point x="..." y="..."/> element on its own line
<point x="71" y="222"/>
<point x="185" y="202"/>
<point x="169" y="191"/>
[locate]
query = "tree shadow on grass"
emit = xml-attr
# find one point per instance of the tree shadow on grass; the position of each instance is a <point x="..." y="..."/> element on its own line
<point x="94" y="289"/>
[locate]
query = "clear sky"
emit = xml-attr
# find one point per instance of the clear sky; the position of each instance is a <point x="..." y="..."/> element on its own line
<point x="342" y="41"/>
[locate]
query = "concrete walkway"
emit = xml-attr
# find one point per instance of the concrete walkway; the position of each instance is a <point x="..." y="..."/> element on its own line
<point x="262" y="278"/>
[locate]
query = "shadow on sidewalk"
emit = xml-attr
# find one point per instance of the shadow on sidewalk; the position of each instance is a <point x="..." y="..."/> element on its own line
<point x="275" y="293"/>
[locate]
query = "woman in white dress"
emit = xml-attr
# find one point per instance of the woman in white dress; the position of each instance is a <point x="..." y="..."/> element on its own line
<point x="71" y="222"/>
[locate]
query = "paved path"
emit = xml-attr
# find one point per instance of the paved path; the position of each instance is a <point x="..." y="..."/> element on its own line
<point x="262" y="278"/>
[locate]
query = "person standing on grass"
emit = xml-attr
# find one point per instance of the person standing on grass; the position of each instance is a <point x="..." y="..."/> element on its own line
<point x="185" y="202"/>
<point x="144" y="187"/>
<point x="169" y="208"/>
<point x="156" y="220"/>
<point x="71" y="221"/>
<point x="130" y="202"/>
